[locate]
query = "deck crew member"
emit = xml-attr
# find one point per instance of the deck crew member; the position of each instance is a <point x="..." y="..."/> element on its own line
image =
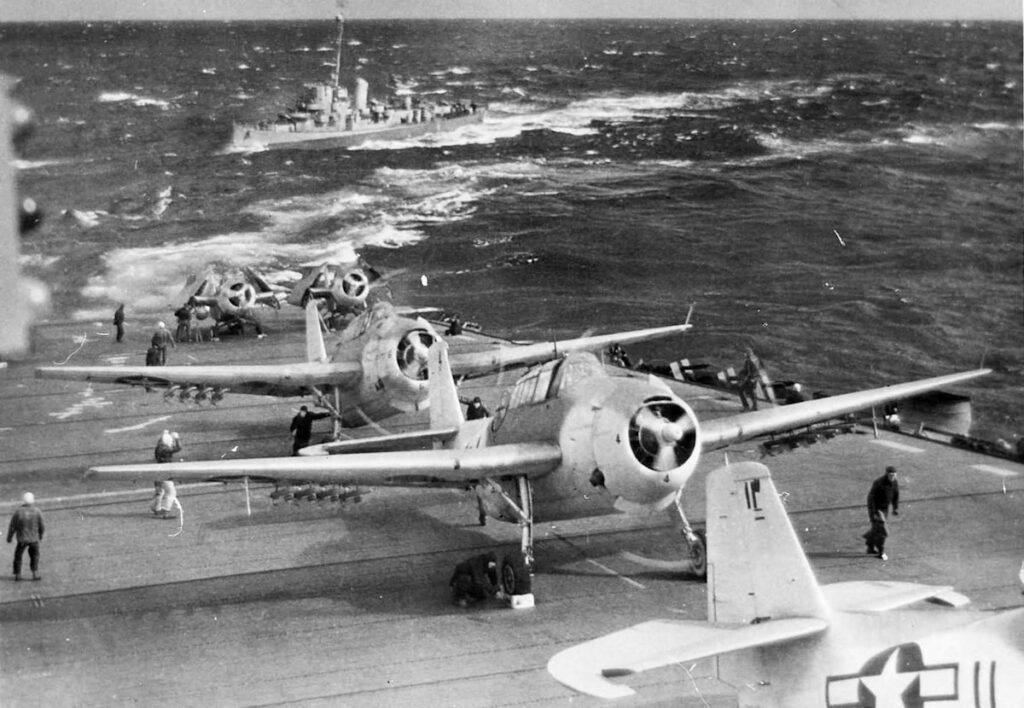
<point x="119" y="321"/>
<point x="885" y="492"/>
<point x="476" y="410"/>
<point x="302" y="428"/>
<point x="455" y="327"/>
<point x="747" y="382"/>
<point x="168" y="444"/>
<point x="184" y="316"/>
<point x="161" y="338"/>
<point x="27" y="525"/>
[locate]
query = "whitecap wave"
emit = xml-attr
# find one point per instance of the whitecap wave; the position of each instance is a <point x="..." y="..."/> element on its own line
<point x="20" y="164"/>
<point x="134" y="99"/>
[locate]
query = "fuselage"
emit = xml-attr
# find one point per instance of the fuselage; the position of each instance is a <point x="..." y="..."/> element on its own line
<point x="604" y="426"/>
<point x="960" y="659"/>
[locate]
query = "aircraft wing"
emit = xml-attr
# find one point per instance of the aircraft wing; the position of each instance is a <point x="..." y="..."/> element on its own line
<point x="195" y="284"/>
<point x="587" y="667"/>
<point x="488" y="360"/>
<point x="415" y="440"/>
<point x="297" y="291"/>
<point x="267" y="380"/>
<point x="883" y="595"/>
<point x="404" y="468"/>
<point x="727" y="430"/>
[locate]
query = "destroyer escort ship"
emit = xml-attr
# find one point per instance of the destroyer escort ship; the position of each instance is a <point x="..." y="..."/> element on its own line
<point x="325" y="116"/>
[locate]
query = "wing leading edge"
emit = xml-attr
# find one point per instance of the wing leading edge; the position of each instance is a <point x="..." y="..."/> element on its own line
<point x="271" y="379"/>
<point x="405" y="468"/>
<point x="721" y="432"/>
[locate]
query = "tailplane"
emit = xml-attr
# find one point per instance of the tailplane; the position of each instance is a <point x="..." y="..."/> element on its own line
<point x="315" y="348"/>
<point x="757" y="569"/>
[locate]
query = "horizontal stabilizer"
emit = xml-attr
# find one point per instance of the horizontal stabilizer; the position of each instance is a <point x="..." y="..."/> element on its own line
<point x="883" y="595"/>
<point x="586" y="667"/>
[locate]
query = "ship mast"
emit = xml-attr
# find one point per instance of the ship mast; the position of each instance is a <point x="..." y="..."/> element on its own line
<point x="337" y="55"/>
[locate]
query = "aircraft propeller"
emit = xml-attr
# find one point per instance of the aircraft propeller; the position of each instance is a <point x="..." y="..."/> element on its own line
<point x="661" y="435"/>
<point x="412" y="353"/>
<point x="355" y="284"/>
<point x="241" y="295"/>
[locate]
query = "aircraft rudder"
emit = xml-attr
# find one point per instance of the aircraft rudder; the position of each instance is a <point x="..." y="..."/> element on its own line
<point x="316" y="350"/>
<point x="757" y="568"/>
<point x="445" y="407"/>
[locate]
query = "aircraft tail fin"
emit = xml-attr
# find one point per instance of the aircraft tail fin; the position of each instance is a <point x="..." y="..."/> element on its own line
<point x="757" y="568"/>
<point x="445" y="408"/>
<point x="316" y="350"/>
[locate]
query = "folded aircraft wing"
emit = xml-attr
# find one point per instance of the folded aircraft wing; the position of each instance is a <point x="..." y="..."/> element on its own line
<point x="306" y="282"/>
<point x="587" y="667"/>
<point x="721" y="432"/>
<point x="405" y="468"/>
<point x="473" y="363"/>
<point x="267" y="380"/>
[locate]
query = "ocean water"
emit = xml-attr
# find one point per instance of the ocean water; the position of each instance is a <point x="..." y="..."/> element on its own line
<point x="844" y="198"/>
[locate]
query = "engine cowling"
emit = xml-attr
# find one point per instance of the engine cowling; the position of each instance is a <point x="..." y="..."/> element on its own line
<point x="646" y="444"/>
<point x="395" y="369"/>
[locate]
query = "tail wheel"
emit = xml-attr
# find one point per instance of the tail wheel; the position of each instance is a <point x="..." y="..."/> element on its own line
<point x="515" y="576"/>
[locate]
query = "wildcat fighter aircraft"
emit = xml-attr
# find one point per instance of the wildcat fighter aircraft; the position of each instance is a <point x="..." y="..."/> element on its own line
<point x="232" y="300"/>
<point x="377" y="367"/>
<point x="844" y="645"/>
<point x="567" y="440"/>
<point x="345" y="286"/>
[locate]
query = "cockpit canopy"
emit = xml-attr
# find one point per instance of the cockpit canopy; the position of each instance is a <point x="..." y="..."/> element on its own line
<point x="549" y="379"/>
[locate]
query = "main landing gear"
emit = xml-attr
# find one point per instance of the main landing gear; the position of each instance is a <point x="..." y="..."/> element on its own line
<point x="522" y="507"/>
<point x="696" y="541"/>
<point x="334" y="408"/>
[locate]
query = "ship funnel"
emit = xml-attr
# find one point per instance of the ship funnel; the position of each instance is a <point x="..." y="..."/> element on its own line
<point x="362" y="91"/>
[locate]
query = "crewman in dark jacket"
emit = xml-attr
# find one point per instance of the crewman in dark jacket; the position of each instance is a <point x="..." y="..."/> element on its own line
<point x="474" y="579"/>
<point x="476" y="410"/>
<point x="885" y="492"/>
<point x="27" y="525"/>
<point x="119" y="321"/>
<point x="302" y="428"/>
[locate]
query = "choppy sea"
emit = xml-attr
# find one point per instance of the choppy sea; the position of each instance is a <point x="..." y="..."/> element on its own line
<point x="844" y="198"/>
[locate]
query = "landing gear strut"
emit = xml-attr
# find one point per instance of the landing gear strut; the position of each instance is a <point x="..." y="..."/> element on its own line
<point x="696" y="542"/>
<point x="523" y="508"/>
<point x="333" y="407"/>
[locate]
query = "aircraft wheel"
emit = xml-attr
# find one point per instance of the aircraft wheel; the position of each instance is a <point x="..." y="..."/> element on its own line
<point x="515" y="576"/>
<point x="699" y="556"/>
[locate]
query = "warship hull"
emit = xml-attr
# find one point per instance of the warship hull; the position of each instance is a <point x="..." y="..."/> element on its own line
<point x="282" y="137"/>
